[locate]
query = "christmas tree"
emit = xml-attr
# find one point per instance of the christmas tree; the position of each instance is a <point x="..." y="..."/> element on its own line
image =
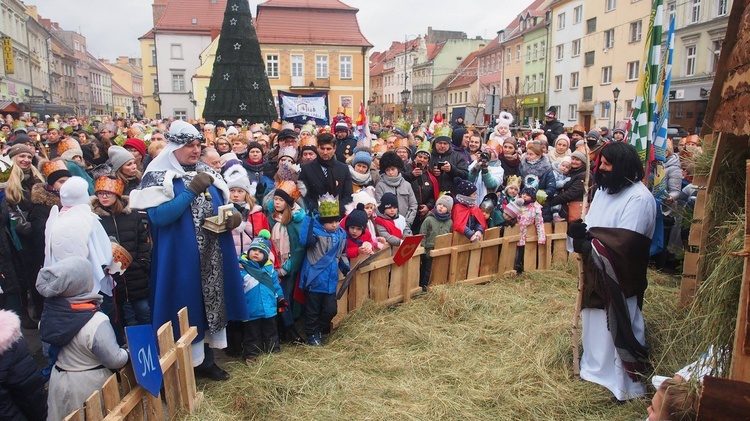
<point x="239" y="86"/>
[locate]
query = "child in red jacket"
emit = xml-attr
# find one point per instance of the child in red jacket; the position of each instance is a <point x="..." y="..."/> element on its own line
<point x="359" y="240"/>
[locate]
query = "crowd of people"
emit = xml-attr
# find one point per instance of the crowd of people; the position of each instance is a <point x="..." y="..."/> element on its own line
<point x="109" y="218"/>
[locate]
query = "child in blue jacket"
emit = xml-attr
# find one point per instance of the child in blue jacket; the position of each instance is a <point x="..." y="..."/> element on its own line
<point x="325" y="241"/>
<point x="263" y="298"/>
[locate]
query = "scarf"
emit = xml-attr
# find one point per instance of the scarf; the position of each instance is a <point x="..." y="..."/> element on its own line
<point x="330" y="178"/>
<point x="461" y="215"/>
<point x="389" y="225"/>
<point x="512" y="161"/>
<point x="538" y="167"/>
<point x="392" y="181"/>
<point x="361" y="180"/>
<point x="553" y="156"/>
<point x="280" y="240"/>
<point x="465" y="200"/>
<point x="255" y="271"/>
<point x="442" y="217"/>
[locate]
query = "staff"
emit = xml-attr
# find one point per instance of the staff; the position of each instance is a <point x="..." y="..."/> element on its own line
<point x="579" y="298"/>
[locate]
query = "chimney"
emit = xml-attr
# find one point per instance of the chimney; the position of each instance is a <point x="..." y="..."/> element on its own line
<point x="123" y="60"/>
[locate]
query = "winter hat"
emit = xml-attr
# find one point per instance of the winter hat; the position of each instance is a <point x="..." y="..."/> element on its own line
<point x="20" y="139"/>
<point x="287" y="134"/>
<point x="357" y="217"/>
<point x="341" y="126"/>
<point x="75" y="191"/>
<point x="254" y="145"/>
<point x="288" y="191"/>
<point x="399" y="132"/>
<point x="619" y="130"/>
<point x="118" y="156"/>
<point x="328" y="208"/>
<point x="68" y="278"/>
<point x="263" y="243"/>
<point x="232" y="130"/>
<point x="446" y="201"/>
<point x="594" y="135"/>
<point x="110" y="184"/>
<point x="578" y="154"/>
<point x="309" y="148"/>
<point x="236" y="177"/>
<point x="68" y="149"/>
<point x="531" y="191"/>
<point x="565" y="159"/>
<point x="306" y="128"/>
<point x="19" y="149"/>
<point x="513" y="208"/>
<point x="289" y="151"/>
<point x="88" y="152"/>
<point x="457" y="138"/>
<point x="136" y="144"/>
<point x="54" y="170"/>
<point x="390" y="159"/>
<point x="551" y="112"/>
<point x="362" y="155"/>
<point x="6" y="166"/>
<point x="363" y="196"/>
<point x="443" y="134"/>
<point x="406" y="148"/>
<point x="464" y="187"/>
<point x="228" y="157"/>
<point x="388" y="200"/>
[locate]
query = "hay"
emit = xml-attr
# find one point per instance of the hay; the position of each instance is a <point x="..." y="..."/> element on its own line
<point x="496" y="351"/>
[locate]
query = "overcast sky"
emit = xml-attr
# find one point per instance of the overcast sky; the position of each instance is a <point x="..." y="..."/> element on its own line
<point x="112" y="27"/>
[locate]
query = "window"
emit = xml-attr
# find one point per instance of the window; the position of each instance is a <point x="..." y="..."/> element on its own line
<point x="695" y="11"/>
<point x="611" y="5"/>
<point x="634" y="34"/>
<point x="589" y="59"/>
<point x="518" y="53"/>
<point x="690" y="60"/>
<point x="588" y="93"/>
<point x="518" y="81"/>
<point x="559" y="52"/>
<point x="609" y="38"/>
<point x="272" y="65"/>
<point x="606" y="75"/>
<point x="345" y="67"/>
<point x="577" y="15"/>
<point x="671" y="10"/>
<point x="541" y="82"/>
<point x="528" y="53"/>
<point x="526" y="84"/>
<point x="180" y="114"/>
<point x="628" y="106"/>
<point x="558" y="83"/>
<point x="722" y="7"/>
<point x="632" y="71"/>
<point x="156" y="84"/>
<point x="543" y="50"/>
<point x="178" y="82"/>
<point x="175" y="51"/>
<point x="153" y="56"/>
<point x="716" y="44"/>
<point x="574" y="80"/>
<point x="536" y="51"/>
<point x="573" y="112"/>
<point x="510" y="56"/>
<point x="605" y="110"/>
<point x="591" y="26"/>
<point x="321" y="66"/>
<point x="533" y="83"/>
<point x="576" y="47"/>
<point x="561" y="21"/>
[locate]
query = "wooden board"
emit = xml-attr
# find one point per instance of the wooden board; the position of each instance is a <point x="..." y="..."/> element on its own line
<point x="93" y="407"/>
<point x="342" y="304"/>
<point x="462" y="264"/>
<point x="690" y="264"/>
<point x="688" y="286"/>
<point x="441" y="264"/>
<point x="361" y="289"/>
<point x="529" y="253"/>
<point x="396" y="282"/>
<point x="110" y="393"/>
<point x="544" y="251"/>
<point x="490" y="255"/>
<point x="740" y="368"/>
<point x="723" y="399"/>
<point x="508" y="249"/>
<point x="172" y="396"/>
<point x="559" y="247"/>
<point x="76" y="415"/>
<point x="379" y="281"/>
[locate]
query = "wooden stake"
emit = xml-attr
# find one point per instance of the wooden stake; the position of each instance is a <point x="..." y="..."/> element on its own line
<point x="579" y="298"/>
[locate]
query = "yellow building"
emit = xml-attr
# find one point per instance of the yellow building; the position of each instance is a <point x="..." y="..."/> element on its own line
<point x="325" y="52"/>
<point x="148" y="72"/>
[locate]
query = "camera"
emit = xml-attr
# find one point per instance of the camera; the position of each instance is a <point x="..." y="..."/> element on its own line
<point x="419" y="165"/>
<point x="484" y="156"/>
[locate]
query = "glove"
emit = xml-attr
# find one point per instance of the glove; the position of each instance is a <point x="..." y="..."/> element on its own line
<point x="260" y="191"/>
<point x="577" y="230"/>
<point x="281" y="302"/>
<point x="234" y="221"/>
<point x="200" y="183"/>
<point x="582" y="245"/>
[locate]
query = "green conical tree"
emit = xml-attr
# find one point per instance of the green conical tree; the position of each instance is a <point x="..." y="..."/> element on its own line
<point x="239" y="86"/>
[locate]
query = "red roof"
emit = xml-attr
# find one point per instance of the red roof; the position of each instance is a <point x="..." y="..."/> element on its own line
<point x="465" y="73"/>
<point x="433" y="50"/>
<point x="148" y="35"/>
<point x="512" y="30"/>
<point x="119" y="90"/>
<point x="491" y="47"/>
<point x="179" y="14"/>
<point x="314" y="22"/>
<point x="377" y="69"/>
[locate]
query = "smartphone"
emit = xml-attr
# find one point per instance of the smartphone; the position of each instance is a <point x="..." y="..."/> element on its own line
<point x="441" y="163"/>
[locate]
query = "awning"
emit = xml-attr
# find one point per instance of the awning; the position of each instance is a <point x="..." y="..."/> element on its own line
<point x="10" y="107"/>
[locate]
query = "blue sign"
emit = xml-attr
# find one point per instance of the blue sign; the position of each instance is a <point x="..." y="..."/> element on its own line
<point x="606" y="105"/>
<point x="144" y="357"/>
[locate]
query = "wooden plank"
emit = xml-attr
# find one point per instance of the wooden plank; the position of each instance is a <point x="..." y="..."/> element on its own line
<point x="379" y="280"/>
<point x="721" y="148"/>
<point x="110" y="393"/>
<point x="342" y="304"/>
<point x="126" y="405"/>
<point x="544" y="251"/>
<point x="441" y="264"/>
<point x="165" y="338"/>
<point x="154" y="408"/>
<point x="508" y="249"/>
<point x="405" y="287"/>
<point x="490" y="254"/>
<point x="688" y="286"/>
<point x="362" y="289"/>
<point x="723" y="399"/>
<point x="396" y="282"/>
<point x="462" y="264"/>
<point x="127" y="383"/>
<point x="76" y="415"/>
<point x="740" y="367"/>
<point x="415" y="271"/>
<point x="184" y="321"/>
<point x="93" y="407"/>
<point x="699" y="211"/>
<point x="479" y="280"/>
<point x="529" y="254"/>
<point x="452" y="269"/>
<point x="690" y="264"/>
<point x="696" y="233"/>
<point x="187" y="378"/>
<point x="475" y="260"/>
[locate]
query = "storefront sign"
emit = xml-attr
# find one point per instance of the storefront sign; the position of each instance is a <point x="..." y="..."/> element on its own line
<point x="8" y="55"/>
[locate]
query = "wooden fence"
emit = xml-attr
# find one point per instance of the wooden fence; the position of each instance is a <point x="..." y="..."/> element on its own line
<point x="125" y="400"/>
<point x="455" y="260"/>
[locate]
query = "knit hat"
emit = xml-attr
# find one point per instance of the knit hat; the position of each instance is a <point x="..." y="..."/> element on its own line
<point x="531" y="191"/>
<point x="110" y="184"/>
<point x="406" y="148"/>
<point x="594" y="135"/>
<point x="254" y="145"/>
<point x="236" y="177"/>
<point x="289" y="151"/>
<point x="288" y="191"/>
<point x="513" y="208"/>
<point x="328" y="208"/>
<point x="119" y="156"/>
<point x="287" y="134"/>
<point x="309" y="148"/>
<point x="19" y="149"/>
<point x="399" y="132"/>
<point x="390" y="159"/>
<point x="619" y="130"/>
<point x="75" y="191"/>
<point x="232" y="130"/>
<point x="69" y="277"/>
<point x="263" y="243"/>
<point x="446" y="201"/>
<point x="136" y="144"/>
<point x="388" y="200"/>
<point x="579" y="155"/>
<point x="424" y="148"/>
<point x="457" y="138"/>
<point x="565" y="159"/>
<point x="68" y="149"/>
<point x="363" y="196"/>
<point x="20" y="138"/>
<point x="341" y="126"/>
<point x="362" y="155"/>
<point x="6" y="166"/>
<point x="464" y="187"/>
<point x="357" y="217"/>
<point x="54" y="170"/>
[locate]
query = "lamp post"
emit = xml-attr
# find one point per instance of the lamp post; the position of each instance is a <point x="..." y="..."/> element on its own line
<point x="615" y="95"/>
<point x="405" y="94"/>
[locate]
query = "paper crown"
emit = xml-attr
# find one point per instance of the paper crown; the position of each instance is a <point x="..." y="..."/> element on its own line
<point x="379" y="148"/>
<point x="377" y="119"/>
<point x="290" y="187"/>
<point x="403" y="125"/>
<point x="513" y="180"/>
<point x="289" y="151"/>
<point x="308" y="141"/>
<point x="19" y="125"/>
<point x="121" y="259"/>
<point x="287" y="125"/>
<point x="443" y="131"/>
<point x="112" y="185"/>
<point x="53" y="125"/>
<point x="424" y="147"/>
<point x="6" y="166"/>
<point x="55" y="165"/>
<point x="328" y="206"/>
<point x="66" y="145"/>
<point x="385" y="134"/>
<point x="68" y="129"/>
<point x="276" y="126"/>
<point x="288" y="171"/>
<point x="403" y="143"/>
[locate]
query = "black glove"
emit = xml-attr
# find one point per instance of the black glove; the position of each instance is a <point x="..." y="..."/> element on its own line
<point x="200" y="183"/>
<point x="234" y="221"/>
<point x="260" y="191"/>
<point x="577" y="230"/>
<point x="582" y="245"/>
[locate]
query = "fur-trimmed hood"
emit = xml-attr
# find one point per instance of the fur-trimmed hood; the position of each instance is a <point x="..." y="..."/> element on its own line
<point x="99" y="210"/>
<point x="40" y="196"/>
<point x="10" y="330"/>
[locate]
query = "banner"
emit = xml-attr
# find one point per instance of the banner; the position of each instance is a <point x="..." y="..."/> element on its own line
<point x="8" y="55"/>
<point x="300" y="109"/>
<point x="362" y="129"/>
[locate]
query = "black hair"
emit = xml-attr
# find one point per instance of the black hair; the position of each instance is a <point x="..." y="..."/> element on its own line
<point x="627" y="168"/>
<point x="326" y="139"/>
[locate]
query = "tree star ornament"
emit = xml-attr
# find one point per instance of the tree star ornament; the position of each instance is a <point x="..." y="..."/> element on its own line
<point x="233" y="21"/>
<point x="226" y="76"/>
<point x="243" y="107"/>
<point x="235" y="7"/>
<point x="237" y="46"/>
<point x="213" y="97"/>
<point x="255" y="85"/>
<point x="218" y="58"/>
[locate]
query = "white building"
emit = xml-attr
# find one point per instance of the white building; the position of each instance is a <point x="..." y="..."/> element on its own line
<point x="15" y="75"/>
<point x="567" y="32"/>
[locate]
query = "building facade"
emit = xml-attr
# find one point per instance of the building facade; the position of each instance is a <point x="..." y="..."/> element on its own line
<point x="567" y="30"/>
<point x="100" y="80"/>
<point x="536" y="33"/>
<point x="15" y="73"/>
<point x="126" y="72"/>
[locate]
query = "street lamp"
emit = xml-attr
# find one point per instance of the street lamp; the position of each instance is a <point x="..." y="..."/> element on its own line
<point x="405" y="94"/>
<point x="615" y="95"/>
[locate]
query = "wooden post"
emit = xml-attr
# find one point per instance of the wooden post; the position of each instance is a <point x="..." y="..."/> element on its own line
<point x="93" y="407"/>
<point x="740" y="368"/>
<point x="165" y="338"/>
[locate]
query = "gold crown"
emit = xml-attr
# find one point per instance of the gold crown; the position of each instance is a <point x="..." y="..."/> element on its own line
<point x="112" y="185"/>
<point x="290" y="187"/>
<point x="66" y="145"/>
<point x="55" y="165"/>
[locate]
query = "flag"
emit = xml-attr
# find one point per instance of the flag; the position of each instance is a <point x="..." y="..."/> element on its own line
<point x="661" y="117"/>
<point x="644" y="104"/>
<point x="362" y="130"/>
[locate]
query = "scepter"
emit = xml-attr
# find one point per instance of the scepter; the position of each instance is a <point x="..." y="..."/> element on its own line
<point x="579" y="298"/>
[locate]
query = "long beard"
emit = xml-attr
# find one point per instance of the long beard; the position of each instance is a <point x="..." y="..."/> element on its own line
<point x="603" y="179"/>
